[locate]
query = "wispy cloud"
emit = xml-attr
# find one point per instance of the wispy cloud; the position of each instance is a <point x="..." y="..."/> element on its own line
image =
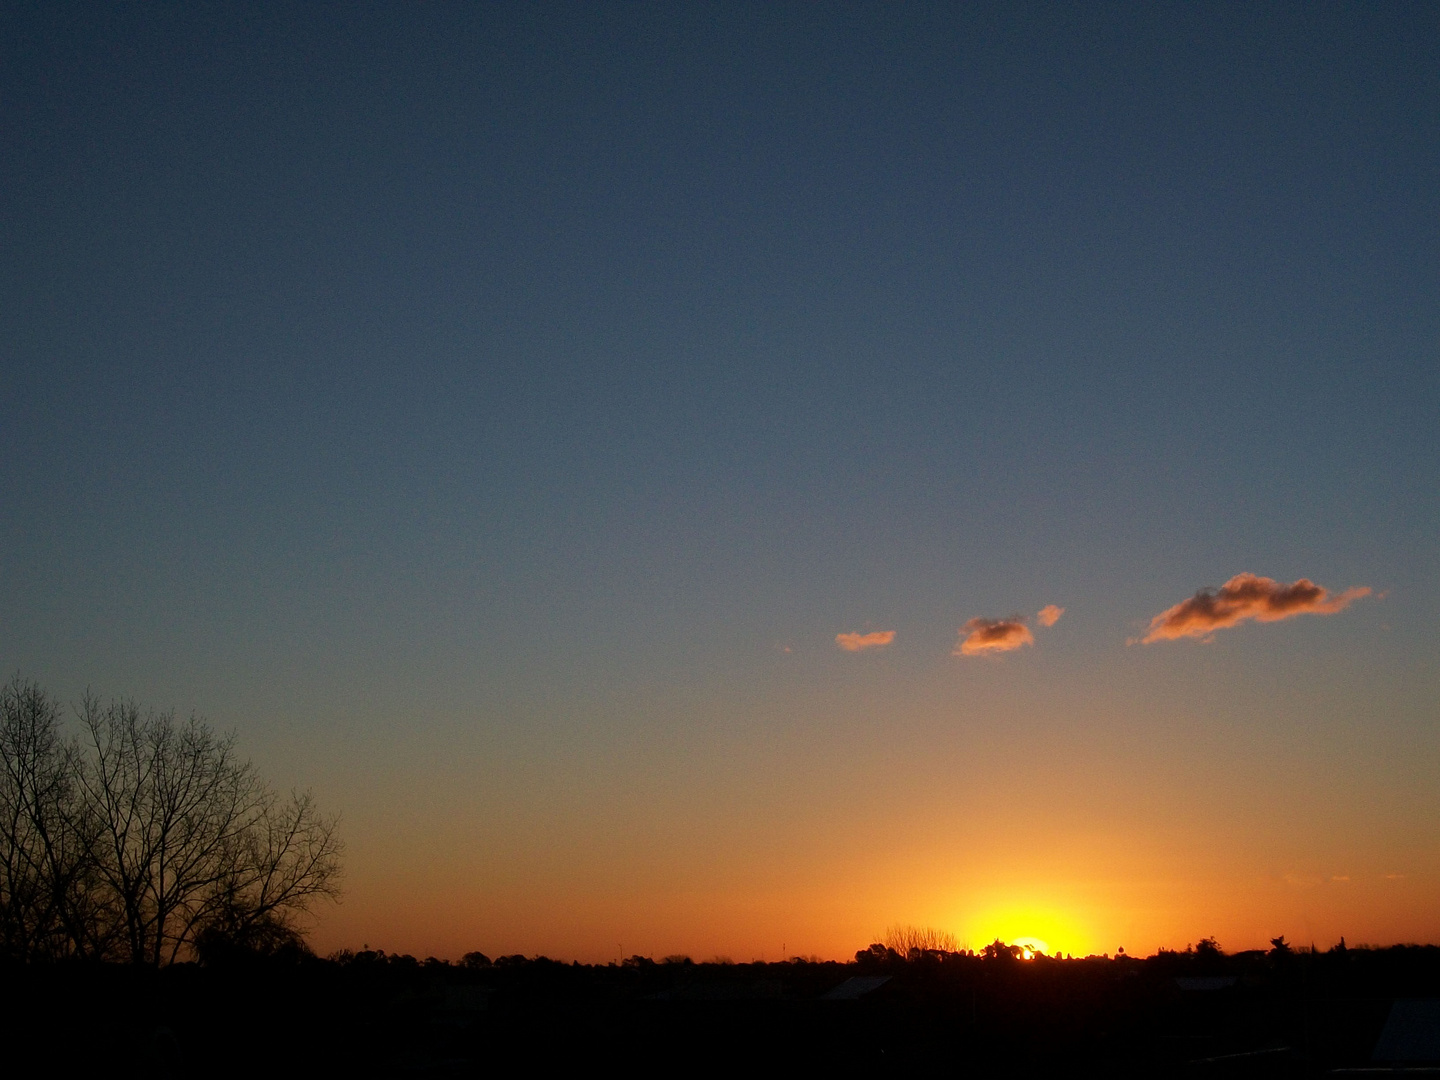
<point x="993" y="636"/>
<point x="860" y="642"/>
<point x="1243" y="597"/>
<point x="1049" y="615"/>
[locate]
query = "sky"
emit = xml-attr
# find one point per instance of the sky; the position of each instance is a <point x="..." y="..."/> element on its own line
<point x="629" y="460"/>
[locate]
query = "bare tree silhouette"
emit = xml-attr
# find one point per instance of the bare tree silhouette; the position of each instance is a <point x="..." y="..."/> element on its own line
<point x="41" y="847"/>
<point x="921" y="939"/>
<point x="191" y="839"/>
<point x="146" y="837"/>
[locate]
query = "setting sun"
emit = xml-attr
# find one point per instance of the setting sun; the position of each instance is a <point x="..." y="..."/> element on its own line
<point x="1031" y="947"/>
<point x="1038" y="930"/>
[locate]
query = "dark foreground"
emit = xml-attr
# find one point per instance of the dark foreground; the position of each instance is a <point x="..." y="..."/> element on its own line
<point x="1177" y="1014"/>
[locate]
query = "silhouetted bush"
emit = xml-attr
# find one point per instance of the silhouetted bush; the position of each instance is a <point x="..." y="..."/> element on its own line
<point x="997" y="950"/>
<point x="226" y="943"/>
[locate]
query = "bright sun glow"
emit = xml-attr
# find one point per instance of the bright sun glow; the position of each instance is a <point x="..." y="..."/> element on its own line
<point x="1030" y="947"/>
<point x="1035" y="928"/>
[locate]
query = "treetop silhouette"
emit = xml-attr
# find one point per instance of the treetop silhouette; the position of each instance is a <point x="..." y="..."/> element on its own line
<point x="147" y="840"/>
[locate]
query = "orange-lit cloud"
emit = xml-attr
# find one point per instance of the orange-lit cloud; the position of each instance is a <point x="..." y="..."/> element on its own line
<point x="993" y="636"/>
<point x="1245" y="596"/>
<point x="1049" y="615"/>
<point x="859" y="642"/>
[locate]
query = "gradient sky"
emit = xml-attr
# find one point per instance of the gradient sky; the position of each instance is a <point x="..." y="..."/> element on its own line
<point x="494" y="415"/>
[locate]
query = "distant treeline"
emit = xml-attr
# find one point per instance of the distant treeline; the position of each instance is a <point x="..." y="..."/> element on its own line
<point x="1196" y="1012"/>
<point x="1206" y="956"/>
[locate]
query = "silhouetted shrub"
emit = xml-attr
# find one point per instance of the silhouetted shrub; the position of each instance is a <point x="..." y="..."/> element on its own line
<point x="227" y="942"/>
<point x="1209" y="949"/>
<point x="998" y="950"/>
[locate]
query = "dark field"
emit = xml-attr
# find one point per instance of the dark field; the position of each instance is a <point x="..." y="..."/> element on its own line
<point x="1176" y="1014"/>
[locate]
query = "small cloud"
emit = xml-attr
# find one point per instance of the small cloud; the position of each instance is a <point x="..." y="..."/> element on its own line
<point x="1244" y="597"/>
<point x="1049" y="615"/>
<point x="993" y="636"/>
<point x="859" y="642"/>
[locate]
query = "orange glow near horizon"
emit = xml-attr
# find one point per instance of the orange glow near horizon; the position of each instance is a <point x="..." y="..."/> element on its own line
<point x="607" y="904"/>
<point x="1148" y="808"/>
<point x="835" y="912"/>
